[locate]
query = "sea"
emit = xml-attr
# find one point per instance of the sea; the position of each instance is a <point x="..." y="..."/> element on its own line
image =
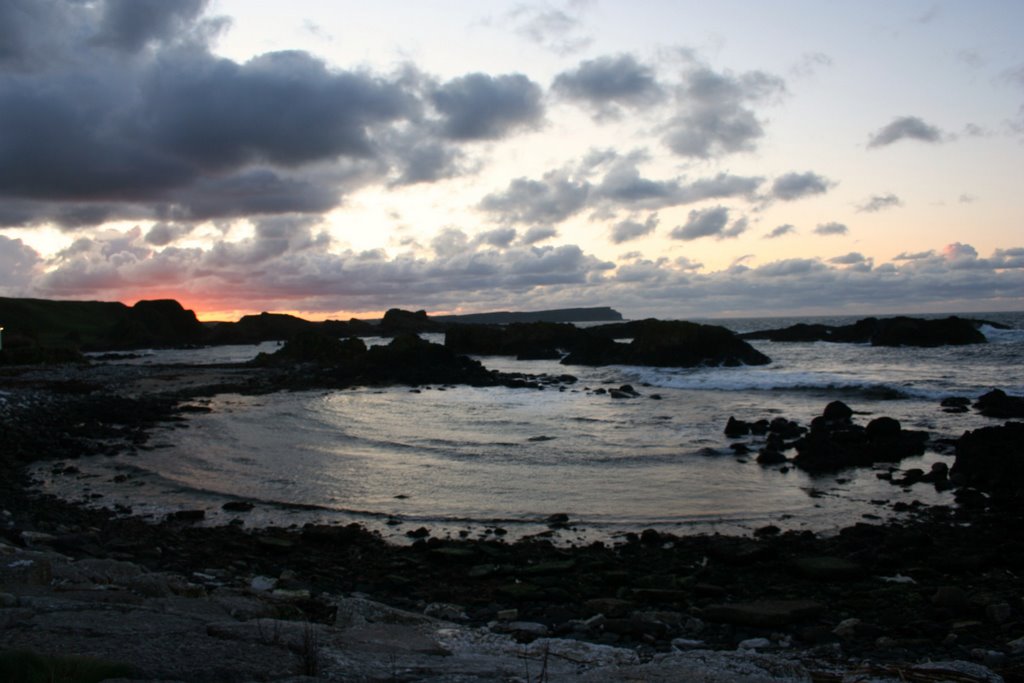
<point x="499" y="462"/>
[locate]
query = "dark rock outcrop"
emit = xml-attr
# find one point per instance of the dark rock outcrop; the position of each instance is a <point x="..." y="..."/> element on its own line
<point x="664" y="343"/>
<point x="528" y="341"/>
<point x="396" y="321"/>
<point x="898" y="331"/>
<point x="158" y="323"/>
<point x="992" y="459"/>
<point x="835" y="442"/>
<point x="997" y="403"/>
<point x="97" y="325"/>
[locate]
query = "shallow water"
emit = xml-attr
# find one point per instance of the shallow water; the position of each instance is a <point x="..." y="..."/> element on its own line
<point x="468" y="459"/>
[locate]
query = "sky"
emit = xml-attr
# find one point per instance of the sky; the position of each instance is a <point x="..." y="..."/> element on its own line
<point x="667" y="158"/>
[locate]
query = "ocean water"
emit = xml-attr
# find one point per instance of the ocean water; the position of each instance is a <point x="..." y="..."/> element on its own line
<point x="465" y="460"/>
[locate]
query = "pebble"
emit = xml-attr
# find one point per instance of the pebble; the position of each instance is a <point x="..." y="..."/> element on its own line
<point x="846" y="628"/>
<point x="262" y="584"/>
<point x="754" y="644"/>
<point x="684" y="644"/>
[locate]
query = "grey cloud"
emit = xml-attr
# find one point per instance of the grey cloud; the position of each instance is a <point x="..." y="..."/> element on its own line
<point x="714" y="116"/>
<point x="702" y="223"/>
<point x="905" y="128"/>
<point x="780" y="230"/>
<point x="475" y="276"/>
<point x="131" y="24"/>
<point x="809" y="64"/>
<point x="967" y="199"/>
<point x="626" y="231"/>
<point x="499" y="237"/>
<point x="250" y="192"/>
<point x="788" y="268"/>
<point x="483" y="107"/>
<point x="684" y="263"/>
<point x="18" y="263"/>
<point x="551" y="200"/>
<point x="94" y="132"/>
<point x="221" y="114"/>
<point x="831" y="229"/>
<point x="429" y="161"/>
<point x="296" y="271"/>
<point x="792" y="186"/>
<point x="273" y="238"/>
<point x="607" y="84"/>
<point x="162" y="234"/>
<point x="1008" y="258"/>
<point x="880" y="202"/>
<point x="450" y="242"/>
<point x="552" y="29"/>
<point x="32" y="32"/>
<point x="915" y="256"/>
<point x="959" y="250"/>
<point x="738" y="227"/>
<point x="854" y="257"/>
<point x="538" y="233"/>
<point x="623" y="185"/>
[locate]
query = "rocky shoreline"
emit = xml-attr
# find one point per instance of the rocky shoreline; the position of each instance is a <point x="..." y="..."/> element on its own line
<point x="942" y="585"/>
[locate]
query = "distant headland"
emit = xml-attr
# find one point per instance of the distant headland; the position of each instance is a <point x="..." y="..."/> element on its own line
<point x="105" y="325"/>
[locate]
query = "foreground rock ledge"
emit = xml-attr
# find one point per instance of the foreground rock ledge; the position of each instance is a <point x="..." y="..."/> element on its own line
<point x="170" y="627"/>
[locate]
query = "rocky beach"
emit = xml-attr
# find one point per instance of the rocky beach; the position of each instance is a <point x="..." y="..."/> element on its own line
<point x="933" y="596"/>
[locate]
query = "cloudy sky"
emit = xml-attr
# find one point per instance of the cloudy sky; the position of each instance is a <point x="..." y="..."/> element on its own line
<point x="665" y="157"/>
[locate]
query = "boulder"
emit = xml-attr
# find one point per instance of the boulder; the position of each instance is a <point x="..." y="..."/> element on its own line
<point x="992" y="459"/>
<point x="997" y="403"/>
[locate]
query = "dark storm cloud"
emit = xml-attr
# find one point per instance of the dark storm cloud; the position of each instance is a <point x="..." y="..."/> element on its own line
<point x="483" y="107"/>
<point x="117" y="109"/>
<point x="905" y="128"/>
<point x="624" y="231"/>
<point x="792" y="186"/>
<point x="285" y="108"/>
<point x="781" y="230"/>
<point x="131" y="24"/>
<point x="703" y="223"/>
<point x="251" y="192"/>
<point x="880" y="202"/>
<point x="831" y="229"/>
<point x="606" y="84"/>
<point x="714" y="115"/>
